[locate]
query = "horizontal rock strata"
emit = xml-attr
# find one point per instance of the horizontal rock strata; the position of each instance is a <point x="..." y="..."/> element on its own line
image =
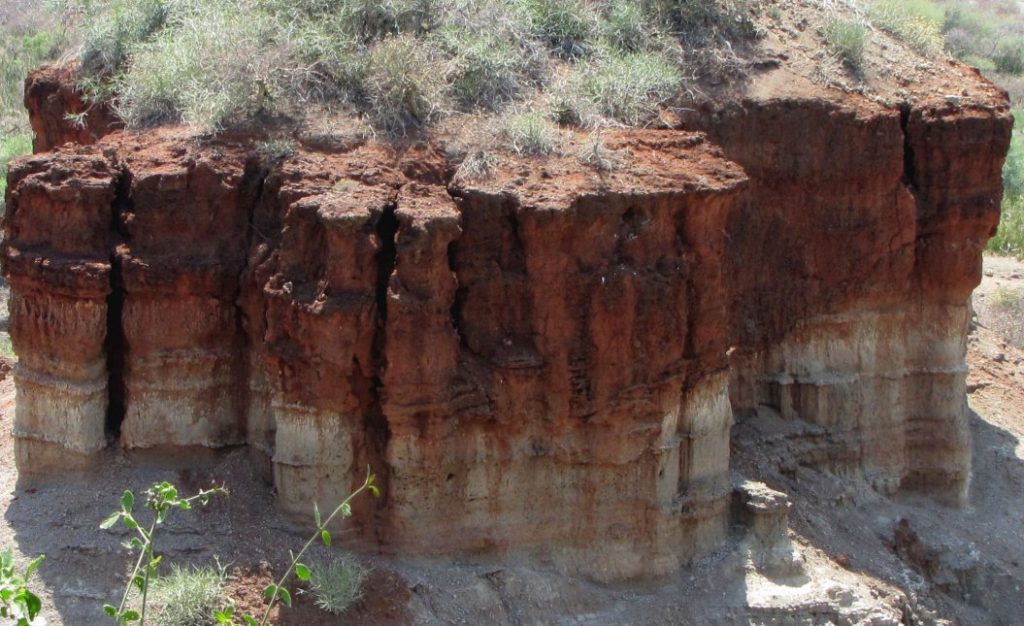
<point x="546" y="361"/>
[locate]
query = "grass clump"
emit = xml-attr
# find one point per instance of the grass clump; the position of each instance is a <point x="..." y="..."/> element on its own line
<point x="530" y="132"/>
<point x="566" y="25"/>
<point x="918" y="23"/>
<point x="485" y="70"/>
<point x="337" y="583"/>
<point x="847" y="39"/>
<point x="402" y="85"/>
<point x="206" y="68"/>
<point x="626" y="87"/>
<point x="188" y="596"/>
<point x="627" y="27"/>
<point x="596" y="155"/>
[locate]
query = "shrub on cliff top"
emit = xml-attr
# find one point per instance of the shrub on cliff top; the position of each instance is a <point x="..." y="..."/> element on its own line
<point x="847" y="39"/>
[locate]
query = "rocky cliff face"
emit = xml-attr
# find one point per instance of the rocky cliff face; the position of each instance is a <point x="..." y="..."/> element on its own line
<point x="546" y="362"/>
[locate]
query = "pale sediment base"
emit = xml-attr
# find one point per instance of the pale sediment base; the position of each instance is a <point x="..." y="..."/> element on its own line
<point x="887" y="388"/>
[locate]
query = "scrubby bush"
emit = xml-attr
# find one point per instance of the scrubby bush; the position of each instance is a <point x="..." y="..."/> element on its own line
<point x="403" y="83"/>
<point x="337" y="583"/>
<point x="11" y="147"/>
<point x="1009" y="58"/>
<point x="530" y="132"/>
<point x="847" y="39"/>
<point x="114" y="27"/>
<point x="484" y="70"/>
<point x="917" y="22"/>
<point x="566" y="25"/>
<point x="627" y="27"/>
<point x="626" y="87"/>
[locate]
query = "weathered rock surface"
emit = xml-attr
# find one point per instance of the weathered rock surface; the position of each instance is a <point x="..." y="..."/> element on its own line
<point x="546" y="362"/>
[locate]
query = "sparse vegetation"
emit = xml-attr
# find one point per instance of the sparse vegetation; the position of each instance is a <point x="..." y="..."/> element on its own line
<point x="188" y="596"/>
<point x="916" y="22"/>
<point x="337" y="583"/>
<point x="160" y="499"/>
<point x="400" y="64"/>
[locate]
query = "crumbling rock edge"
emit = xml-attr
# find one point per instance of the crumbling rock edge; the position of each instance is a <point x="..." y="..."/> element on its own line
<point x="546" y="362"/>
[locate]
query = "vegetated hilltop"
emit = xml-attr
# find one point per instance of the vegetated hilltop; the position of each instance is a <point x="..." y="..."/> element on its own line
<point x="520" y="71"/>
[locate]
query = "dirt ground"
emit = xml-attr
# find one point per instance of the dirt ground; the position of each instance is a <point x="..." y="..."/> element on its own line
<point x="854" y="556"/>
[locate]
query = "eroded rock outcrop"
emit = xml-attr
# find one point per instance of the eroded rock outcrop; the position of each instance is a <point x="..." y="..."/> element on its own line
<point x="545" y="362"/>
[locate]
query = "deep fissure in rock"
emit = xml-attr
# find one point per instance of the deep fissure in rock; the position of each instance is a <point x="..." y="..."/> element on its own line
<point x="909" y="173"/>
<point x="114" y="342"/>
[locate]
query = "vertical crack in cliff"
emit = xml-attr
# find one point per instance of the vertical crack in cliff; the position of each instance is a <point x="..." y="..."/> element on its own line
<point x="909" y="167"/>
<point x="114" y="343"/>
<point x="254" y="180"/>
<point x="375" y="423"/>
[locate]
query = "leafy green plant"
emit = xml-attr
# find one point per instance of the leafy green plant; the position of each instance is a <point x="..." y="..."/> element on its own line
<point x="188" y="596"/>
<point x="17" y="603"/>
<point x="847" y="39"/>
<point x="337" y="583"/>
<point x="160" y="499"/>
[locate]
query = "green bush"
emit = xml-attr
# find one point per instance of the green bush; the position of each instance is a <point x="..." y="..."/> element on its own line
<point x="484" y="70"/>
<point x="403" y="83"/>
<point x="626" y="87"/>
<point x="566" y="25"/>
<point x="208" y="67"/>
<point x="530" y="132"/>
<point x="337" y="583"/>
<point x="1009" y="239"/>
<point x="847" y="39"/>
<point x="188" y="596"/>
<point x="917" y="22"/>
<point x="1009" y="58"/>
<point x="11" y="147"/>
<point x="627" y="27"/>
<point x="114" y="27"/>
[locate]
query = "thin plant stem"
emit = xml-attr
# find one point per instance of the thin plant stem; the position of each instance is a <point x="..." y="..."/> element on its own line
<point x="316" y="535"/>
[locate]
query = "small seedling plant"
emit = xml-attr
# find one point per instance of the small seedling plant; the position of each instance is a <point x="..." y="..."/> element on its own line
<point x="17" y="604"/>
<point x="161" y="499"/>
<point x="278" y="592"/>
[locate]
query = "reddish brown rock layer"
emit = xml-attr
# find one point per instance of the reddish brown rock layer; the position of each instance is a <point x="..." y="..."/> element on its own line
<point x="547" y="362"/>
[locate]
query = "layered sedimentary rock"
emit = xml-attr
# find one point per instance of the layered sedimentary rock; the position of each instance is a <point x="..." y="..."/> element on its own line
<point x="547" y="361"/>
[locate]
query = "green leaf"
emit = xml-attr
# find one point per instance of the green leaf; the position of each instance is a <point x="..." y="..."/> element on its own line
<point x="110" y="521"/>
<point x="33" y="566"/>
<point x="316" y="515"/>
<point x="325" y="537"/>
<point x="301" y="572"/>
<point x="130" y="522"/>
<point x="33" y="604"/>
<point x="286" y="597"/>
<point x="346" y="510"/>
<point x="250" y="620"/>
<point x="127" y="501"/>
<point x="270" y="592"/>
<point x="110" y="610"/>
<point x="139" y="581"/>
<point x="374" y="490"/>
<point x="130" y="616"/>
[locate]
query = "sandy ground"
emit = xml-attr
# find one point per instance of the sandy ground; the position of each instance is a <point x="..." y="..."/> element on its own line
<point x="853" y="556"/>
